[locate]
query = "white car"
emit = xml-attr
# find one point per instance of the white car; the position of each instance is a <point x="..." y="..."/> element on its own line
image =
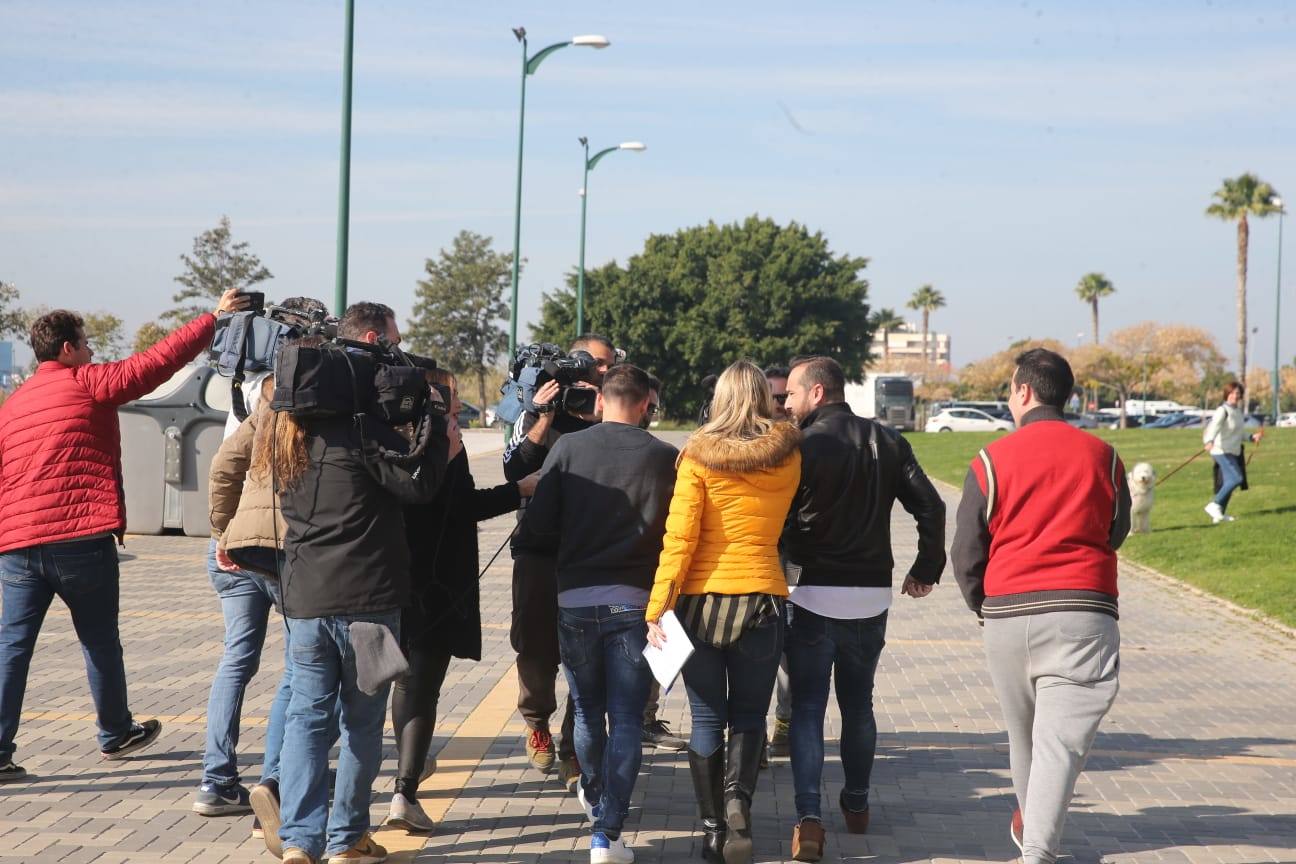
<point x="966" y="420"/>
<point x="1288" y="420"/>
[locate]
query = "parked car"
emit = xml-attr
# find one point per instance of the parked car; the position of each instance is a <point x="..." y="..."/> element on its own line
<point x="966" y="420"/>
<point x="1288" y="420"/>
<point x="468" y="415"/>
<point x="1080" y="421"/>
<point x="1166" y="421"/>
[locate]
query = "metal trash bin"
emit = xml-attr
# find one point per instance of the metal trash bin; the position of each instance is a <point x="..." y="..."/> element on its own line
<point x="169" y="438"/>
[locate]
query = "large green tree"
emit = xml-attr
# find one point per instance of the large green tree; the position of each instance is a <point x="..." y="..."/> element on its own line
<point x="884" y="321"/>
<point x="694" y="301"/>
<point x="216" y="265"/>
<point x="13" y="320"/>
<point x="149" y="334"/>
<point x="460" y="309"/>
<point x="104" y="332"/>
<point x="1091" y="288"/>
<point x="1236" y="199"/>
<point x="926" y="300"/>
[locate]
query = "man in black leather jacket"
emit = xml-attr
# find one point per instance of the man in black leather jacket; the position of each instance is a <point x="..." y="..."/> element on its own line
<point x="837" y="551"/>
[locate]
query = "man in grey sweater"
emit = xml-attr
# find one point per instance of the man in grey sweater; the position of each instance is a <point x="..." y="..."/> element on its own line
<point x="604" y="494"/>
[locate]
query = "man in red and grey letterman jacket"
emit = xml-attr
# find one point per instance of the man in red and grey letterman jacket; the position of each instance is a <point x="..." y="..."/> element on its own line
<point x="1043" y="512"/>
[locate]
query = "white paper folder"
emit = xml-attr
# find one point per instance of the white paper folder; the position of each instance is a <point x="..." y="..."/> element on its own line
<point x="667" y="662"/>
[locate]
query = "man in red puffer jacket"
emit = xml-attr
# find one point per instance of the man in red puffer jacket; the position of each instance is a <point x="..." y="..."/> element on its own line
<point x="61" y="505"/>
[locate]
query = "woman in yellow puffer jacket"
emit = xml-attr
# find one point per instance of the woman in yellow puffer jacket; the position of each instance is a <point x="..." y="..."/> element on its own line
<point x="719" y="571"/>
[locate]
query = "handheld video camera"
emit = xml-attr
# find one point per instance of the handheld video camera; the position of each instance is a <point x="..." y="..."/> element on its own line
<point x="536" y="365"/>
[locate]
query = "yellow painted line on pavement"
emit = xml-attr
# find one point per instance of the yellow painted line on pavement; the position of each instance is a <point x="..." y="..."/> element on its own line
<point x="455" y="763"/>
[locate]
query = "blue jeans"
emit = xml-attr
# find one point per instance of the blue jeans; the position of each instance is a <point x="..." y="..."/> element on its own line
<point x="732" y="686"/>
<point x="815" y="646"/>
<point x="602" y="654"/>
<point x="247" y="600"/>
<point x="1230" y="477"/>
<point x="324" y="674"/>
<point x="84" y="574"/>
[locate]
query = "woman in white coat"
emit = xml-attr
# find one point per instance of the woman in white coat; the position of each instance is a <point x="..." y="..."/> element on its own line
<point x="1223" y="438"/>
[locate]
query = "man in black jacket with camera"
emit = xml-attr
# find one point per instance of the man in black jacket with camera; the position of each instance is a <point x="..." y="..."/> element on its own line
<point x="837" y="550"/>
<point x="534" y="630"/>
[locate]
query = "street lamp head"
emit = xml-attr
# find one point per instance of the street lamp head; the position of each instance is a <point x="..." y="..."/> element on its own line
<point x="633" y="145"/>
<point x="520" y="33"/>
<point x="591" y="41"/>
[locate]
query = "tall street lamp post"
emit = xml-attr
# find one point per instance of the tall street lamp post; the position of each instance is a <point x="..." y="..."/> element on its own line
<point x="1277" y="378"/>
<point x="530" y="63"/>
<point x="590" y="162"/>
<point x="344" y="171"/>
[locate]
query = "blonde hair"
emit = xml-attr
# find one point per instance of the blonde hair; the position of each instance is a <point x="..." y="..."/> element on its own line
<point x="742" y="406"/>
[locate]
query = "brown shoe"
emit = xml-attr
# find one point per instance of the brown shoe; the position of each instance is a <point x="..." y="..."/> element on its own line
<point x="569" y="772"/>
<point x="364" y="852"/>
<point x="540" y="750"/>
<point x="1015" y="831"/>
<point x="296" y="856"/>
<point x="857" y="821"/>
<point x="808" y="840"/>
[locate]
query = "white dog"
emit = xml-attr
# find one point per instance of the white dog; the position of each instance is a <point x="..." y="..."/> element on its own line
<point x="1142" y="486"/>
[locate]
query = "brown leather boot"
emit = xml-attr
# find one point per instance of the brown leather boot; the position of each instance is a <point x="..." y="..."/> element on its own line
<point x="857" y="821"/>
<point x="808" y="840"/>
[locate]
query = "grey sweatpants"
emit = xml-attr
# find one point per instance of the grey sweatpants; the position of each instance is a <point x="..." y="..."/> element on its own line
<point x="1056" y="678"/>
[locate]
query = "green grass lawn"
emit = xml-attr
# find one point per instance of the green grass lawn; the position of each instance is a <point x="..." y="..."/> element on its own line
<point x="1251" y="562"/>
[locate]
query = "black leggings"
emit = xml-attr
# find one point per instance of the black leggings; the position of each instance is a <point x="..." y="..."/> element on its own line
<point x="414" y="711"/>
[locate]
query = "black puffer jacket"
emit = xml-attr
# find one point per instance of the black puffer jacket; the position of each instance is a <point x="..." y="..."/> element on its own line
<point x="345" y="550"/>
<point x="839" y="529"/>
<point x="445" y="606"/>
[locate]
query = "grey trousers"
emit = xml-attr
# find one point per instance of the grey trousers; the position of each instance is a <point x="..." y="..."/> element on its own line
<point x="1056" y="676"/>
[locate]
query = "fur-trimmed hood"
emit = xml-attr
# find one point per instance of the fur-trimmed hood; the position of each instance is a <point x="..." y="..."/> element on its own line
<point x="744" y="455"/>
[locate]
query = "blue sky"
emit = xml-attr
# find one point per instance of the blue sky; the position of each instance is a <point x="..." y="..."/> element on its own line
<point x="996" y="150"/>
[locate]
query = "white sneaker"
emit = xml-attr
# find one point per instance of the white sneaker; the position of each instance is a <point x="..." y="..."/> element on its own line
<point x="591" y="810"/>
<point x="409" y="815"/>
<point x="1213" y="510"/>
<point x="605" y="851"/>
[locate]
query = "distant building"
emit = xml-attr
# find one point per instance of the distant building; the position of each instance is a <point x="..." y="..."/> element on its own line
<point x="905" y="347"/>
<point x="6" y="365"/>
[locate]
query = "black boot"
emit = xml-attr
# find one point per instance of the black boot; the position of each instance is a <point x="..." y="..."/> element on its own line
<point x="741" y="770"/>
<point x="708" y="786"/>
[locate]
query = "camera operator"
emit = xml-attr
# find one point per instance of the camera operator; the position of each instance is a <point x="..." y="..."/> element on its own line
<point x="244" y="521"/>
<point x="346" y="577"/>
<point x="603" y="497"/>
<point x="534" y="631"/>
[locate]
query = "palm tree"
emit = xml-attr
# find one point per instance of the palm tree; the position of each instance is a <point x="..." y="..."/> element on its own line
<point x="884" y="321"/>
<point x="1236" y="199"/>
<point x="1091" y="287"/>
<point x="926" y="300"/>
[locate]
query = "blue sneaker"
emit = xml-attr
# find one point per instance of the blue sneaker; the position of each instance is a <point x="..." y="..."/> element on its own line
<point x="605" y="851"/>
<point x="213" y="800"/>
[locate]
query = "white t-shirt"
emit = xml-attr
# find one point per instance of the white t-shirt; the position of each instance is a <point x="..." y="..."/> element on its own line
<point x="841" y="603"/>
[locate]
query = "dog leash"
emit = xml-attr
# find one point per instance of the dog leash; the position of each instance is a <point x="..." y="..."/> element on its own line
<point x="1183" y="465"/>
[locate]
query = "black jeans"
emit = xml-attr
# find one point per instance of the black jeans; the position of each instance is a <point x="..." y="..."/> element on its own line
<point x="414" y="712"/>
<point x="731" y="686"/>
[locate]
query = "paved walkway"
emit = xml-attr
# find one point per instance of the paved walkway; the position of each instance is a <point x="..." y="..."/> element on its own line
<point x="1196" y="763"/>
